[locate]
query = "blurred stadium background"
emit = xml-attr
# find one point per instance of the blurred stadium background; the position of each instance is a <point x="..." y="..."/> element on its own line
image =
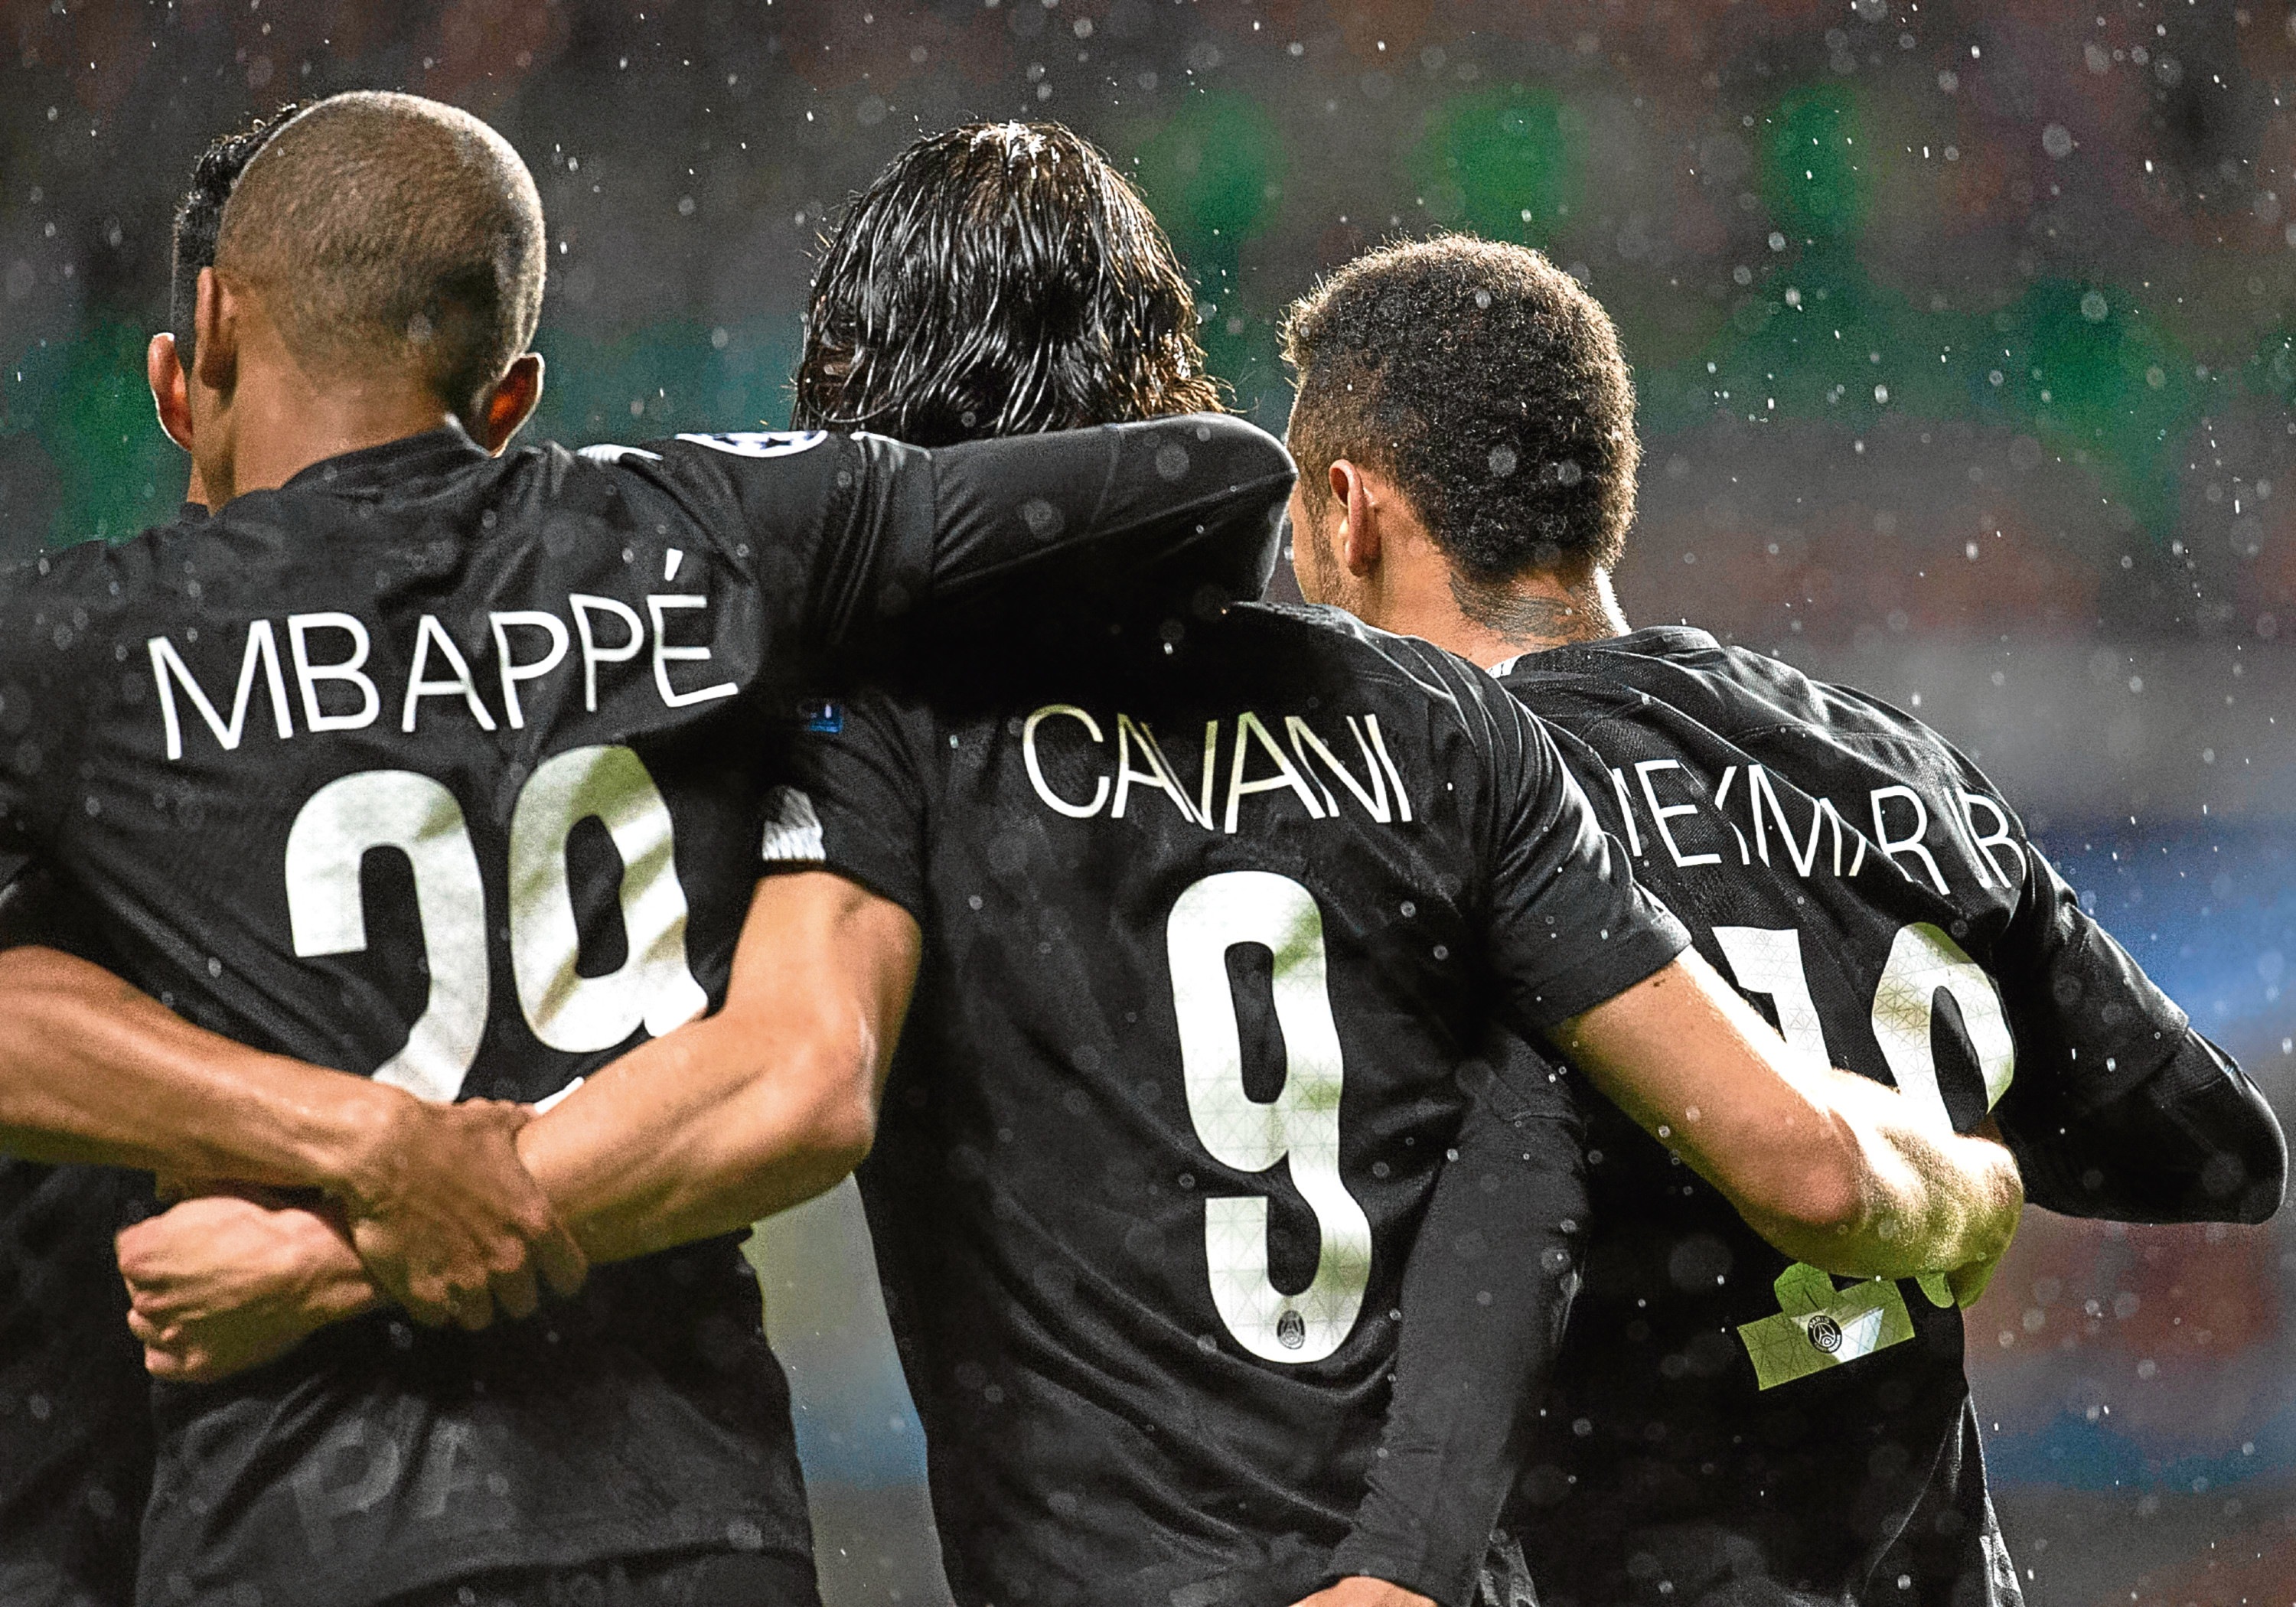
<point x="1965" y="335"/>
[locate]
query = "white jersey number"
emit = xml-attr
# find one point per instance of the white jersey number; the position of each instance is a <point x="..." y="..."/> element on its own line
<point x="1819" y="1326"/>
<point x="1300" y="1126"/>
<point x="420" y="817"/>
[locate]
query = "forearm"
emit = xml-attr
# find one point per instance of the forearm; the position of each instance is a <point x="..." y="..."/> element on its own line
<point x="94" y="1071"/>
<point x="1832" y="1168"/>
<point x="1932" y="1199"/>
<point x="702" y="1132"/>
<point x="746" y="1113"/>
<point x="1197" y="497"/>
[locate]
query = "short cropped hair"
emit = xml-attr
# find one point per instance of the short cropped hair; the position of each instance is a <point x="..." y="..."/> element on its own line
<point x="1488" y="384"/>
<point x="199" y="218"/>
<point x="386" y="230"/>
<point x="998" y="279"/>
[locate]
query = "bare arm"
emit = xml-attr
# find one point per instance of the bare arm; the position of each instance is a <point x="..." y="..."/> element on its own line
<point x="94" y="1071"/>
<point x="743" y="1113"/>
<point x="751" y="1110"/>
<point x="1832" y="1169"/>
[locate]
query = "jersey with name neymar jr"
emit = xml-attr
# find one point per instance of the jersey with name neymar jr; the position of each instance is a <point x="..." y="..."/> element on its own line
<point x="1724" y="1420"/>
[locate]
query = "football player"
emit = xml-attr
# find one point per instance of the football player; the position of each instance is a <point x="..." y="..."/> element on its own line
<point x="1730" y="1423"/>
<point x="445" y="764"/>
<point x="1214" y="900"/>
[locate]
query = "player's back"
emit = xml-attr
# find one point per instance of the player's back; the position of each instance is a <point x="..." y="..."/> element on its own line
<point x="1722" y="1415"/>
<point x="1213" y="912"/>
<point x="446" y="769"/>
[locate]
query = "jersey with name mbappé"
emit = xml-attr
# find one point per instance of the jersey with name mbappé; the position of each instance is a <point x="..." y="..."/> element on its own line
<point x="1213" y="911"/>
<point x="445" y="769"/>
<point x="1723" y="1414"/>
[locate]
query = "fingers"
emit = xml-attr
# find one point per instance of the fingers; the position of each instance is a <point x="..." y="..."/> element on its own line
<point x="563" y="1265"/>
<point x="502" y="1113"/>
<point x="168" y="1365"/>
<point x="515" y="1293"/>
<point x="1969" y="1283"/>
<point x="474" y="1310"/>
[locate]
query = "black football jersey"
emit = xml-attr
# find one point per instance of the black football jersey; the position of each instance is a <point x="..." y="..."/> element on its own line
<point x="75" y="1418"/>
<point x="1722" y="1415"/>
<point x="446" y="769"/>
<point x="75" y="1408"/>
<point x="1213" y="911"/>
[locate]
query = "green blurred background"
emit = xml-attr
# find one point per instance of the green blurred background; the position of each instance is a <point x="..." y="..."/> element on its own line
<point x="1965" y="337"/>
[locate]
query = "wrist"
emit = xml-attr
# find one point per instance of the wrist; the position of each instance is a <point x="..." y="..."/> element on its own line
<point x="334" y="1281"/>
<point x="360" y="1140"/>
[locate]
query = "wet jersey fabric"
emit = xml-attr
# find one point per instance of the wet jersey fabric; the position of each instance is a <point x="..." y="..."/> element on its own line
<point x="1726" y="1426"/>
<point x="75" y="1410"/>
<point x="75" y="1417"/>
<point x="1214" y="909"/>
<point x="446" y="769"/>
<point x="1487" y="1292"/>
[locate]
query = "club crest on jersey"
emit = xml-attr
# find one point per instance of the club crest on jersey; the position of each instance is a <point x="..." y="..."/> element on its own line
<point x="1291" y="1330"/>
<point x="761" y="443"/>
<point x="1081" y="765"/>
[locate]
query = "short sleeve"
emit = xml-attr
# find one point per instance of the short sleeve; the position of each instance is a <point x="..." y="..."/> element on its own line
<point x="856" y="803"/>
<point x="1570" y="928"/>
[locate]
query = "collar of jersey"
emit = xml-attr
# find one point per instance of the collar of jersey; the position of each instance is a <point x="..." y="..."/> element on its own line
<point x="374" y="471"/>
<point x="1652" y="641"/>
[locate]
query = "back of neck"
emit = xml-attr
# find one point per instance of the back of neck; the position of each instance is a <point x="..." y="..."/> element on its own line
<point x="280" y="420"/>
<point x="1530" y="614"/>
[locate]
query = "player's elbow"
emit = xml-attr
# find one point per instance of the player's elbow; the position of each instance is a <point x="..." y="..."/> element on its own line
<point x="2246" y="1180"/>
<point x="1805" y="1196"/>
<point x="841" y="1127"/>
<point x="829" y="1105"/>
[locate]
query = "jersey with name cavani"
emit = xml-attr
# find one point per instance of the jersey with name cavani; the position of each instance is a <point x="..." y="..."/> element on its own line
<point x="1214" y="910"/>
<point x="448" y="769"/>
<point x="1721" y="1414"/>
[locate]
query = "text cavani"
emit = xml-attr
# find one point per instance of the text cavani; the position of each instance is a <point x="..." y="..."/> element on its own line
<point x="1123" y="754"/>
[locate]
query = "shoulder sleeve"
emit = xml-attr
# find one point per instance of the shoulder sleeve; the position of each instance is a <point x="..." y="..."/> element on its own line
<point x="856" y="804"/>
<point x="849" y="533"/>
<point x="1570" y="926"/>
<point x="2119" y="1108"/>
<point x="1198" y="497"/>
<point x="1486" y="1294"/>
<point x="52" y="608"/>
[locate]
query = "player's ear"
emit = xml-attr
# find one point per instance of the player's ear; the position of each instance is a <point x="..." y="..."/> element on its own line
<point x="215" y="334"/>
<point x="163" y="366"/>
<point x="1358" y="540"/>
<point x="510" y="404"/>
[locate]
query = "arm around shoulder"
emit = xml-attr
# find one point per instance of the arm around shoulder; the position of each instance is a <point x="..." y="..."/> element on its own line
<point x="1830" y="1168"/>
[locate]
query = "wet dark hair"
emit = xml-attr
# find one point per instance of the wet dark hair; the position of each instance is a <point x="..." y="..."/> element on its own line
<point x="998" y="279"/>
<point x="198" y="218"/>
<point x="1488" y="384"/>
